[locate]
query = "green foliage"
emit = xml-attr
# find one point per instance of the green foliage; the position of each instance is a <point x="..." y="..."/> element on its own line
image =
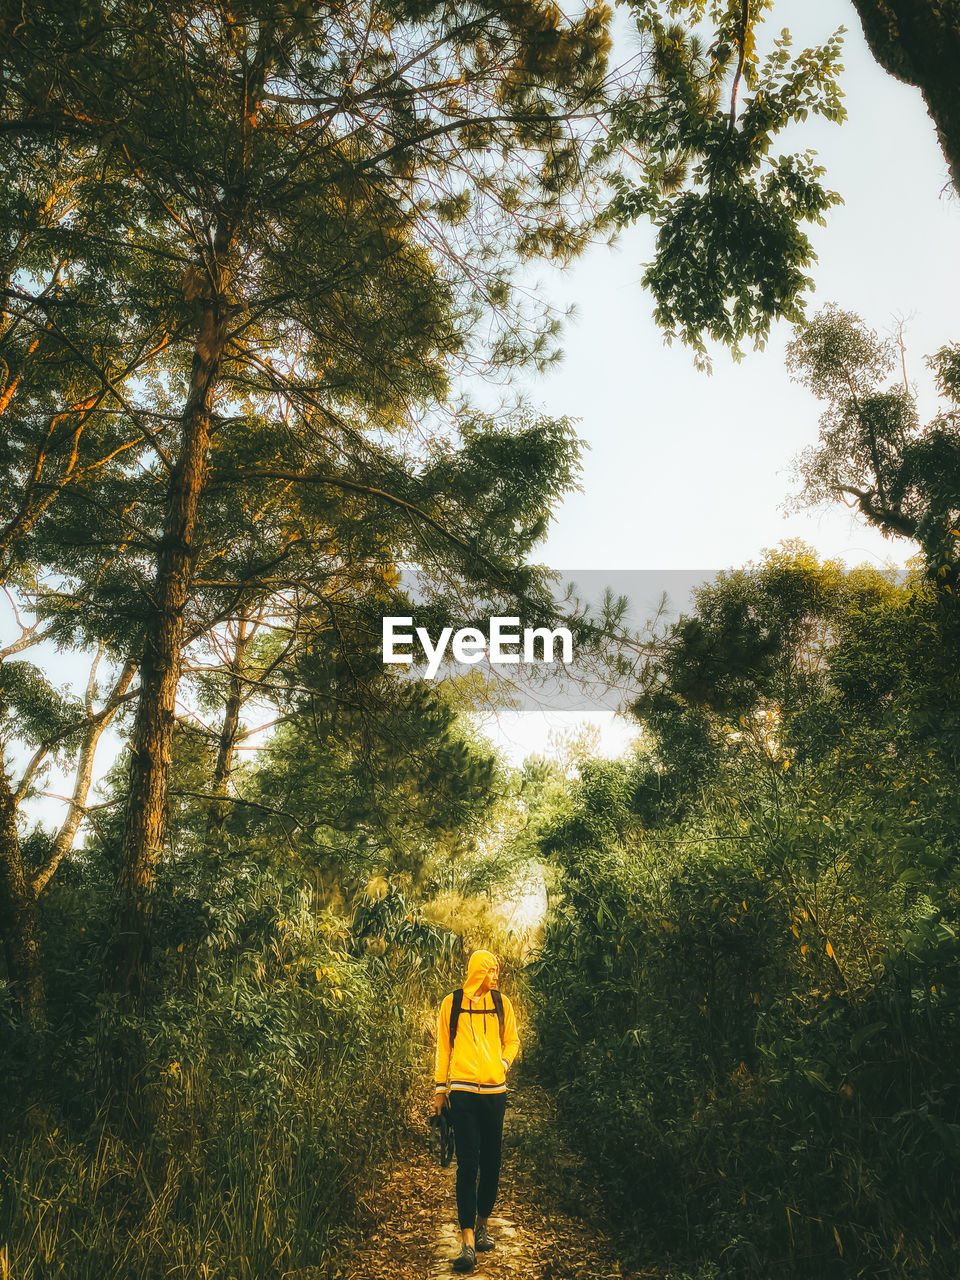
<point x="389" y="926"/>
<point x="392" y="784"/>
<point x="905" y="479"/>
<point x="39" y="712"/>
<point x="267" y="1124"/>
<point x="697" y="141"/>
<point x="747" y="993"/>
<point x="731" y="253"/>
<point x="233" y="328"/>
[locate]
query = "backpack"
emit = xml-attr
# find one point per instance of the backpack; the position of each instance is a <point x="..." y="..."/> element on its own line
<point x="458" y="1005"/>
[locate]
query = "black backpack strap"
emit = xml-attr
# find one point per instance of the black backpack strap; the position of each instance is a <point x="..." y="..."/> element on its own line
<point x="455" y="1013"/>
<point x="458" y="1005"/>
<point x="498" y="1005"/>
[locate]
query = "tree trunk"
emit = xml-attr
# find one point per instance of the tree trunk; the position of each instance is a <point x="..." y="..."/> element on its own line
<point x="18" y="917"/>
<point x="81" y="787"/>
<point x="918" y="41"/>
<point x="228" y="737"/>
<point x="151" y="746"/>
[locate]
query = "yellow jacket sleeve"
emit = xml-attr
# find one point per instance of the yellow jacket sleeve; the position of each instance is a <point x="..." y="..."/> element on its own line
<point x="511" y="1041"/>
<point x="442" y="1063"/>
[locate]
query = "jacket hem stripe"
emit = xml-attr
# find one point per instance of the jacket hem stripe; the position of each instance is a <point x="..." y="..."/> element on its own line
<point x="470" y="1086"/>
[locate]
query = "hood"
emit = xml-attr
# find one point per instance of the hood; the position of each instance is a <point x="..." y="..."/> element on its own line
<point x="478" y="966"/>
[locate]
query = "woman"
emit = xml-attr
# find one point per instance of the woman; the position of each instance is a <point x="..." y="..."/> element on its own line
<point x="476" y="1045"/>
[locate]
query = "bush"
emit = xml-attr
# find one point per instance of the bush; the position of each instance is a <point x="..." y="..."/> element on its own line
<point x="264" y="1121"/>
<point x="746" y="1113"/>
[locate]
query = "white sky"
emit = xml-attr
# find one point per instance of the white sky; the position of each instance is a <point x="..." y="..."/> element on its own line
<point x="689" y="471"/>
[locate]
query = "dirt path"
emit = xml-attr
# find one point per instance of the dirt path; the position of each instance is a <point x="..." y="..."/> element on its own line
<point x="547" y="1225"/>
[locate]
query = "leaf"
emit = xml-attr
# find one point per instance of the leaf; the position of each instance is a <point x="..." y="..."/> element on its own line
<point x="860" y="1038"/>
<point x="816" y="1078"/>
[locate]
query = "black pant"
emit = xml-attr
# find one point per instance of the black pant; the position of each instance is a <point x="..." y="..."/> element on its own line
<point x="478" y="1133"/>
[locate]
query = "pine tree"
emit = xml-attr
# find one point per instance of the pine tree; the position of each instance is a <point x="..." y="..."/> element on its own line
<point x="309" y="209"/>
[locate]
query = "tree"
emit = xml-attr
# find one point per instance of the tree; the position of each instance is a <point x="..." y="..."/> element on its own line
<point x="732" y="254"/>
<point x="406" y="153"/>
<point x="68" y="355"/>
<point x="779" y="954"/>
<point x="354" y="796"/>
<point x="918" y="42"/>
<point x="36" y="715"/>
<point x="738" y="692"/>
<point x="904" y="477"/>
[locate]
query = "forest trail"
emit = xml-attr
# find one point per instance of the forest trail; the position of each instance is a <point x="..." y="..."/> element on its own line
<point x="547" y="1223"/>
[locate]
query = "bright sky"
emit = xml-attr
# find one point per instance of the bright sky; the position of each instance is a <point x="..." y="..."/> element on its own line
<point x="689" y="471"/>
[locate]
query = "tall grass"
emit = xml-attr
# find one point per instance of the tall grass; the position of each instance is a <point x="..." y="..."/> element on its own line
<point x="220" y="1191"/>
<point x="275" y="1065"/>
<point x="276" y="1056"/>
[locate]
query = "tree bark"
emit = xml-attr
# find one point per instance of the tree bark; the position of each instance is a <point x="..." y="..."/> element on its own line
<point x="18" y="917"/>
<point x="228" y="737"/>
<point x="81" y="788"/>
<point x="151" y="745"/>
<point x="918" y="41"/>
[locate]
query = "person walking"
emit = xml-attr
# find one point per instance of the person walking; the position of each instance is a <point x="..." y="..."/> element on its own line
<point x="476" y="1044"/>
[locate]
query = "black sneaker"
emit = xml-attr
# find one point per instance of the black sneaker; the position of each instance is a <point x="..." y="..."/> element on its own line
<point x="466" y="1260"/>
<point x="483" y="1240"/>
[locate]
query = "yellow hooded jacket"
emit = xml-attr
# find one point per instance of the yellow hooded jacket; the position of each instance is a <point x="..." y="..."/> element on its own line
<point x="478" y="1061"/>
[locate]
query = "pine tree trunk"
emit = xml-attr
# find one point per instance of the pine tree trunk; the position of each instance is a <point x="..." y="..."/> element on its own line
<point x="152" y="741"/>
<point x="18" y="918"/>
<point x="228" y="740"/>
<point x="84" y="777"/>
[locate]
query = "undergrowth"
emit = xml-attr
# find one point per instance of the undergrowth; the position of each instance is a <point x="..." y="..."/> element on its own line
<point x="272" y="1067"/>
<point x="746" y="1112"/>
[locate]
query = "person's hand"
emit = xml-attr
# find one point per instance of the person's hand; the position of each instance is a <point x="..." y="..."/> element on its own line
<point x="439" y="1101"/>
